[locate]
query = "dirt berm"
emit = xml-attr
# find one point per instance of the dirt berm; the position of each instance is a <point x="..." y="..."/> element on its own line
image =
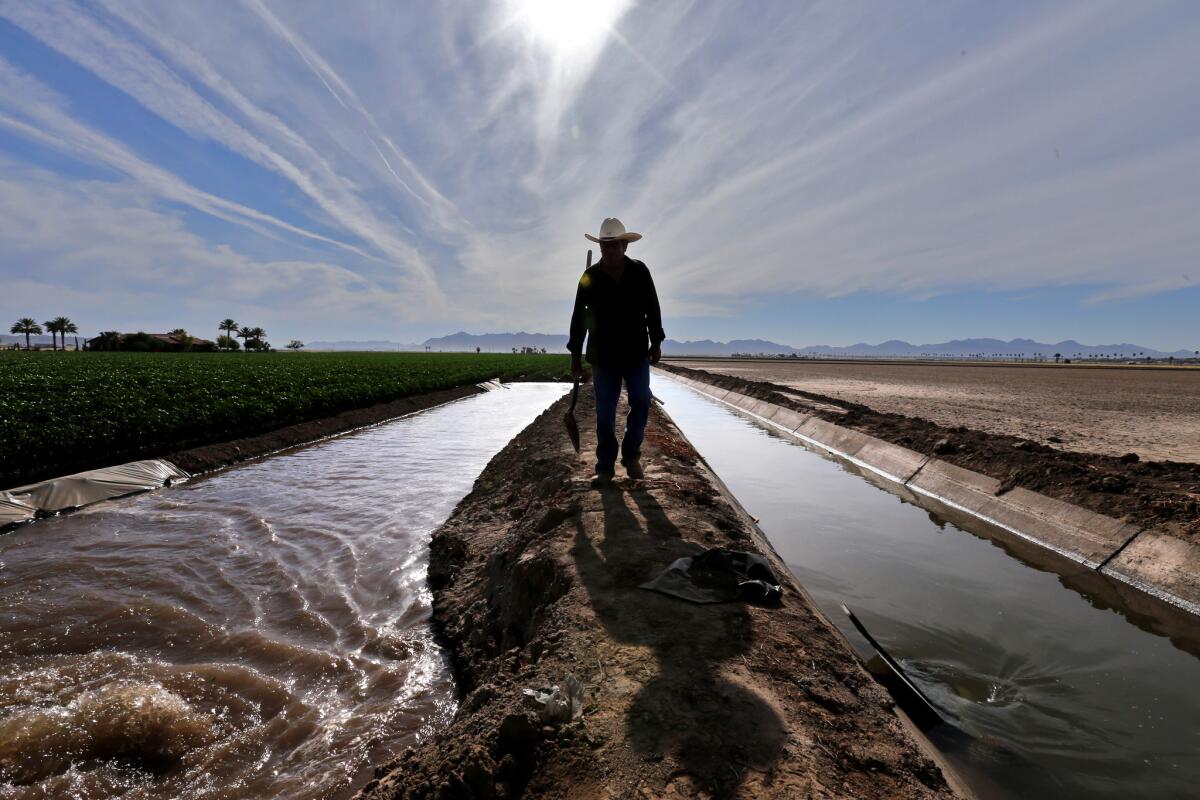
<point x="535" y="577"/>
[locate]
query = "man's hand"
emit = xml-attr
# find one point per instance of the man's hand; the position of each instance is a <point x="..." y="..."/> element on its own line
<point x="655" y="353"/>
<point x="576" y="368"/>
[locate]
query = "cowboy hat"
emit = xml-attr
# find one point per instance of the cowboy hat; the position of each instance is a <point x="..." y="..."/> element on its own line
<point x="611" y="230"/>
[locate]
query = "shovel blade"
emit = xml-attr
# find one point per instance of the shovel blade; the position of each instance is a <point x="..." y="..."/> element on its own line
<point x="572" y="430"/>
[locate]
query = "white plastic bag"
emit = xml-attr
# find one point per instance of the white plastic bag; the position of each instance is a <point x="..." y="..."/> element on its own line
<point x="556" y="706"/>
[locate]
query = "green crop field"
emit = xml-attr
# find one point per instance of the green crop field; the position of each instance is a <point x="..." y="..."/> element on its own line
<point x="65" y="411"/>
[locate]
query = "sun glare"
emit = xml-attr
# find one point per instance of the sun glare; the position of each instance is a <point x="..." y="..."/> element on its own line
<point x="566" y="25"/>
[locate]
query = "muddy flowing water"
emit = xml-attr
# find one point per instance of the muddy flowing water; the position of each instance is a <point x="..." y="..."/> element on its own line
<point x="261" y="632"/>
<point x="1058" y="696"/>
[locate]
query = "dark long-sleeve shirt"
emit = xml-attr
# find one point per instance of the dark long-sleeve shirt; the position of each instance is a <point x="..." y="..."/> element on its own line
<point x="621" y="319"/>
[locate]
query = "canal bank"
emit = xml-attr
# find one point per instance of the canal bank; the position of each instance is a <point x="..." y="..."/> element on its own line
<point x="535" y="580"/>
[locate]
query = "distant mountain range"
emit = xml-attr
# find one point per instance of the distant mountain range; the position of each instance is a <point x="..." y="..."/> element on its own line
<point x="499" y="342"/>
<point x="6" y="338"/>
<point x="556" y="343"/>
<point x="992" y="347"/>
<point x="707" y="347"/>
<point x="1024" y="348"/>
<point x="368" y="345"/>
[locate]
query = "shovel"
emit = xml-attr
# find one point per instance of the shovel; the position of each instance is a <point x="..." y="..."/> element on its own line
<point x="569" y="420"/>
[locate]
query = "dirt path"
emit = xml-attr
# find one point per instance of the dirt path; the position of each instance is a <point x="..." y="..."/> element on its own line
<point x="535" y="578"/>
<point x="1111" y="411"/>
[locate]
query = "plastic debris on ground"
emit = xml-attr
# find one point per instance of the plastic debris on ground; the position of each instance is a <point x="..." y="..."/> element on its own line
<point x="720" y="576"/>
<point x="557" y="706"/>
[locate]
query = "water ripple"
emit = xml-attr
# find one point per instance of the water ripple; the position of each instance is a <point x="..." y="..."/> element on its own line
<point x="259" y="632"/>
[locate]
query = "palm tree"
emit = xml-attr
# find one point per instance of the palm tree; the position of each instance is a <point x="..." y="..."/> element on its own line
<point x="69" y="327"/>
<point x="244" y="334"/>
<point x="27" y="326"/>
<point x="63" y="326"/>
<point x="51" y="325"/>
<point x="258" y="336"/>
<point x="228" y="325"/>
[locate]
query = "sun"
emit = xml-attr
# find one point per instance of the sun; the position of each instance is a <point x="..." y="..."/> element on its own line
<point x="564" y="26"/>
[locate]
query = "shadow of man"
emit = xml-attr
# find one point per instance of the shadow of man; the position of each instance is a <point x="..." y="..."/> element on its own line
<point x="712" y="726"/>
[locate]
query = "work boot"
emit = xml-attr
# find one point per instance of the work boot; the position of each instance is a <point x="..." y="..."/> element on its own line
<point x="633" y="468"/>
<point x="603" y="477"/>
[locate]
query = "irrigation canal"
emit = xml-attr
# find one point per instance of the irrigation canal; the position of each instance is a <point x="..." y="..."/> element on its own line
<point x="1057" y="696"/>
<point x="266" y="625"/>
<point x="265" y="630"/>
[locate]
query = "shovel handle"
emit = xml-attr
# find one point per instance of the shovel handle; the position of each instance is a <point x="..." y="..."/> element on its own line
<point x="574" y="397"/>
<point x="578" y="380"/>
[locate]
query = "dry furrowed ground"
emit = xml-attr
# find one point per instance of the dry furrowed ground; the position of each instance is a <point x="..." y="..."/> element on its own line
<point x="1111" y="411"/>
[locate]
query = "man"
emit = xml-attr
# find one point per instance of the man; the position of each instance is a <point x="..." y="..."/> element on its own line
<point x="616" y="307"/>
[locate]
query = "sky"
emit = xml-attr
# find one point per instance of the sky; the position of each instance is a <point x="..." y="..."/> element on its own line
<point x="805" y="172"/>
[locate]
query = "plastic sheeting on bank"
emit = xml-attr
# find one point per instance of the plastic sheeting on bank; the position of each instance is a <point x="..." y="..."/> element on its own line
<point x="61" y="494"/>
<point x="13" y="510"/>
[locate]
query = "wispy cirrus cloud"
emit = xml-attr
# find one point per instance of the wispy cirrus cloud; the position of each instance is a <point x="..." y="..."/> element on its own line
<point x="133" y="68"/>
<point x="451" y="156"/>
<point x="153" y="266"/>
<point x="39" y="114"/>
<point x="442" y="210"/>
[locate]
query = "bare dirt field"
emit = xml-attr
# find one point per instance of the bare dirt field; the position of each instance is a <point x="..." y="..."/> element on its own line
<point x="1107" y="410"/>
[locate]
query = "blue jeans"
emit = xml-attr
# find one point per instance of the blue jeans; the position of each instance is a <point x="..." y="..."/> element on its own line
<point x="607" y="383"/>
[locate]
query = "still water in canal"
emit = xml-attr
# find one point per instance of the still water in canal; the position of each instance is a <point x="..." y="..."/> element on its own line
<point x="1056" y="696"/>
<point x="261" y="632"/>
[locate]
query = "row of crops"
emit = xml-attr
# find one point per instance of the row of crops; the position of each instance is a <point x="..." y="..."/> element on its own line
<point x="60" y="412"/>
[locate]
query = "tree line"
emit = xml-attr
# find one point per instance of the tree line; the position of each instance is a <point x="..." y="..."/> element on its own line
<point x="254" y="338"/>
<point x="56" y="327"/>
